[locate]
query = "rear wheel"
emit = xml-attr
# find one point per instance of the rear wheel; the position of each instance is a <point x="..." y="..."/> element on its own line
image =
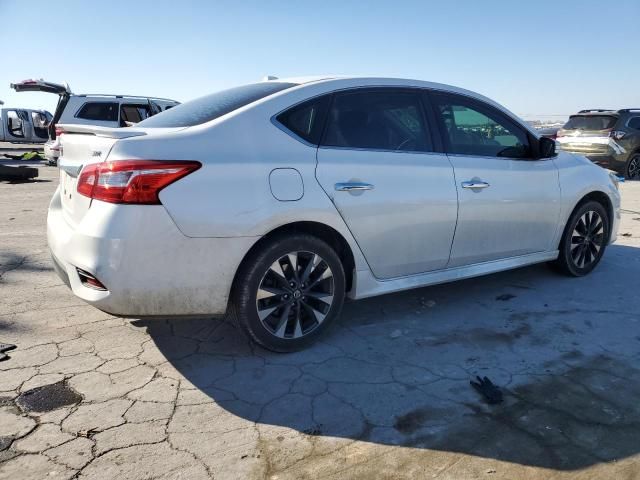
<point x="633" y="167"/>
<point x="584" y="240"/>
<point x="288" y="292"/>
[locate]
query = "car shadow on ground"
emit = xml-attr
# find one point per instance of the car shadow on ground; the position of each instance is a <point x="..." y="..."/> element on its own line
<point x="396" y="369"/>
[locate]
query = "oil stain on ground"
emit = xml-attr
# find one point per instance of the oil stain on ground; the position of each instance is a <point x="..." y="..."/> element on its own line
<point x="586" y="415"/>
<point x="48" y="397"/>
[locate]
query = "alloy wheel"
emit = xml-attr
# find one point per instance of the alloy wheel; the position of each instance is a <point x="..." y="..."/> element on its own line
<point x="633" y="171"/>
<point x="587" y="239"/>
<point x="295" y="294"/>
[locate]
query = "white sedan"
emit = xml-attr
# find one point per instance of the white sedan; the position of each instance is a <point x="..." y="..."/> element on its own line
<point x="276" y="200"/>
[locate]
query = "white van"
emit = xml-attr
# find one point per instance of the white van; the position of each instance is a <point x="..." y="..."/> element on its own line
<point x="91" y="109"/>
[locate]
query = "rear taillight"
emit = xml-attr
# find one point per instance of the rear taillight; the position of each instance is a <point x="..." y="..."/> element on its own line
<point x="131" y="181"/>
<point x="59" y="131"/>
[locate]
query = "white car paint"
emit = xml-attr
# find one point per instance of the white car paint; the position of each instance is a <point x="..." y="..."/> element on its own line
<point x="180" y="257"/>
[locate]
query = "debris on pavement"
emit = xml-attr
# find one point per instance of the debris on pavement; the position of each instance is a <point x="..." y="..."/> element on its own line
<point x="486" y="388"/>
<point x="26" y="156"/>
<point x="20" y="173"/>
<point x="5" y="347"/>
<point x="627" y="234"/>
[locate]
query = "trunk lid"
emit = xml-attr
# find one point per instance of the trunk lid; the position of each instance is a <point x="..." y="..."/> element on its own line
<point x="82" y="145"/>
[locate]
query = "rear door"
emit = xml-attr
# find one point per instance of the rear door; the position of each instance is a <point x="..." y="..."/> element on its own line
<point x="509" y="202"/>
<point x="395" y="193"/>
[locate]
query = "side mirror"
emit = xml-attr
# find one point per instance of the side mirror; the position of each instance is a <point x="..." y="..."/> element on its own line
<point x="546" y="147"/>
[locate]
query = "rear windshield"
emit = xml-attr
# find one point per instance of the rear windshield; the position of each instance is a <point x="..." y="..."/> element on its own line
<point x="590" y="122"/>
<point x="212" y="106"/>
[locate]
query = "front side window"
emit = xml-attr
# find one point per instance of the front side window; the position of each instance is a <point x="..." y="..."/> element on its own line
<point x="306" y="119"/>
<point x="471" y="128"/>
<point x="102" y="111"/>
<point x="378" y="119"/>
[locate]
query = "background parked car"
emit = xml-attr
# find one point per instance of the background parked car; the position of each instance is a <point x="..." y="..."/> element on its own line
<point x="24" y="125"/>
<point x="91" y="109"/>
<point x="550" y="132"/>
<point x="609" y="138"/>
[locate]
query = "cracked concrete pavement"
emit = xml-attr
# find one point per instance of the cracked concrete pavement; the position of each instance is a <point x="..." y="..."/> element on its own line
<point x="385" y="395"/>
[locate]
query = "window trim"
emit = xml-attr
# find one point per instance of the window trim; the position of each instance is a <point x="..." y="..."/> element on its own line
<point x="274" y="119"/>
<point x="417" y="91"/>
<point x="117" y="104"/>
<point x="533" y="141"/>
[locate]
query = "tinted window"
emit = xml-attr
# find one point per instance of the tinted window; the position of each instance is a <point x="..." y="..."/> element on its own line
<point x="212" y="106"/>
<point x="634" y="123"/>
<point x="307" y="119"/>
<point x="471" y="128"/>
<point x="133" y="114"/>
<point x="381" y="119"/>
<point x="104" y="111"/>
<point x="590" y="122"/>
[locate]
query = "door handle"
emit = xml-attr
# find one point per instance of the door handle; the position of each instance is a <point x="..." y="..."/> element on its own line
<point x="475" y="184"/>
<point x="352" y="186"/>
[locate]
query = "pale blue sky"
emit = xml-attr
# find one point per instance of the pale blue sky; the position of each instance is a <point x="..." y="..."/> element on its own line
<point x="537" y="58"/>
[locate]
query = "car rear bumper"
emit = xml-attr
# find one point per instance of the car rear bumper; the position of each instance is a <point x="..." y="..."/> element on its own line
<point x="147" y="265"/>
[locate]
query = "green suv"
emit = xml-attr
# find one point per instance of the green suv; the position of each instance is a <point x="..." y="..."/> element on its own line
<point x="609" y="138"/>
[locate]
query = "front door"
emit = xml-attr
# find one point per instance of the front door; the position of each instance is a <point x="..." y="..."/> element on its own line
<point x="509" y="202"/>
<point x="395" y="194"/>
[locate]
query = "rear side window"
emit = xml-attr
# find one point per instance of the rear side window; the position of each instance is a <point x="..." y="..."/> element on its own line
<point x="307" y="119"/>
<point x="634" y="123"/>
<point x="103" y="111"/>
<point x="210" y="107"/>
<point x="380" y="119"/>
<point x="590" y="122"/>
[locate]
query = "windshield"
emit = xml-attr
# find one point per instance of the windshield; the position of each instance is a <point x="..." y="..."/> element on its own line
<point x="590" y="122"/>
<point x="210" y="107"/>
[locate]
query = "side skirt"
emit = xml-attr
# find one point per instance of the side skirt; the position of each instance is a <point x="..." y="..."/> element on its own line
<point x="366" y="285"/>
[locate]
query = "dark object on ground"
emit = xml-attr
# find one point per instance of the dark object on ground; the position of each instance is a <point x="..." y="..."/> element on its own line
<point x="26" y="156"/>
<point x="48" y="397"/>
<point x="626" y="234"/>
<point x="505" y="296"/>
<point x="17" y="173"/>
<point x="490" y="391"/>
<point x="5" y="347"/>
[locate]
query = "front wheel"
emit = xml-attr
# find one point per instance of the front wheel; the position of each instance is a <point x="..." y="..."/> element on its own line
<point x="289" y="291"/>
<point x="584" y="240"/>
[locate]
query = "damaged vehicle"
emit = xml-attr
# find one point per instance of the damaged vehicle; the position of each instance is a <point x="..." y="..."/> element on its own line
<point x="24" y="125"/>
<point x="274" y="201"/>
<point x="609" y="138"/>
<point x="91" y="109"/>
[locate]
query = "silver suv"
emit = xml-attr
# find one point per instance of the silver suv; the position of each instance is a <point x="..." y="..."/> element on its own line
<point x="91" y="109"/>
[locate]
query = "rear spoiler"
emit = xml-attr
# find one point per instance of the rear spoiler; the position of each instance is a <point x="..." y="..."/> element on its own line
<point x="101" y="131"/>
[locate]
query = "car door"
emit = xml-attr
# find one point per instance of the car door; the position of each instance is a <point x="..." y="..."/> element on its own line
<point x="509" y="201"/>
<point x="396" y="195"/>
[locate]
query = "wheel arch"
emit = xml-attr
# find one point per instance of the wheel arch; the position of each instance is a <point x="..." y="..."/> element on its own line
<point x="320" y="230"/>
<point x="597" y="196"/>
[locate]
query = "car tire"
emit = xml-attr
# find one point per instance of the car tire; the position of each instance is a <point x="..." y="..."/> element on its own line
<point x="288" y="292"/>
<point x="584" y="240"/>
<point x="632" y="171"/>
